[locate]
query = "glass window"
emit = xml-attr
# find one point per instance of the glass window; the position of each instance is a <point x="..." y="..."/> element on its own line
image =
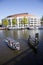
<point x="31" y="21"/>
<point x="35" y="19"/>
<point x="20" y="19"/>
<point x="31" y="18"/>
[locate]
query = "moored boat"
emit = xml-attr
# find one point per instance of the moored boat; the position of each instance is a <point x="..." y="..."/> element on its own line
<point x="33" y="43"/>
<point x="13" y="43"/>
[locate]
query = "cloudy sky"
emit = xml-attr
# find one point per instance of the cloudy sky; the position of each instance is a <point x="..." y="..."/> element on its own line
<point x="9" y="7"/>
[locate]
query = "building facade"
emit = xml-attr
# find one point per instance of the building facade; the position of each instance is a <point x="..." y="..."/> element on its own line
<point x="23" y="20"/>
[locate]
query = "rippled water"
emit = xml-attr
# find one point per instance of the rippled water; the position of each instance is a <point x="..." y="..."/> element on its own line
<point x="20" y="35"/>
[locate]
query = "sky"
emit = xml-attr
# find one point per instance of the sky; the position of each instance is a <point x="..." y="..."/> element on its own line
<point x="10" y="7"/>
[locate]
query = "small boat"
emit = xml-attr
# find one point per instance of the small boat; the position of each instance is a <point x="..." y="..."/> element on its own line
<point x="33" y="43"/>
<point x="13" y="43"/>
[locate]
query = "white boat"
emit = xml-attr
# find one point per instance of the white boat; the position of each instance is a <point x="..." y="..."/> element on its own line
<point x="12" y="43"/>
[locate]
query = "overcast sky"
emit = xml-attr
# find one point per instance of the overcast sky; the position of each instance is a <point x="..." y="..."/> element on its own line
<point x="9" y="7"/>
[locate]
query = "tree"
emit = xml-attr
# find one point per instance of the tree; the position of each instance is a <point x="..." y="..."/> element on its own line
<point x="42" y="18"/>
<point x="42" y="21"/>
<point x="14" y="21"/>
<point x="5" y="22"/>
<point x="24" y="21"/>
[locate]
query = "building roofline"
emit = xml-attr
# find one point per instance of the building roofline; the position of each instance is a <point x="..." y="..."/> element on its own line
<point x="16" y="15"/>
<point x="21" y="14"/>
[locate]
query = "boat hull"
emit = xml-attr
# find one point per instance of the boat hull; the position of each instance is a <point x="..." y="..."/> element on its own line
<point x="13" y="44"/>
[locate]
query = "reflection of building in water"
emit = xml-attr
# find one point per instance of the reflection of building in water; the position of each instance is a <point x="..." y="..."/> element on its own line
<point x="19" y="33"/>
<point x="22" y="20"/>
<point x="1" y="33"/>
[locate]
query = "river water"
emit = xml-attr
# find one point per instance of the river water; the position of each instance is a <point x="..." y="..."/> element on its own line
<point x="6" y="54"/>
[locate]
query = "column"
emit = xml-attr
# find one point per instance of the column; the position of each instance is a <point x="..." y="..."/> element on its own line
<point x="18" y="22"/>
<point x="11" y="22"/>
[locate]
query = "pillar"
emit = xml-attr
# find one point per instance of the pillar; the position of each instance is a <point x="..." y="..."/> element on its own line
<point x="18" y="22"/>
<point x="11" y="22"/>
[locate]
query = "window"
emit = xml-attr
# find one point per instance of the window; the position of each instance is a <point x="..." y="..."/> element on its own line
<point x="35" y="19"/>
<point x="31" y="21"/>
<point x="31" y="18"/>
<point x="20" y="19"/>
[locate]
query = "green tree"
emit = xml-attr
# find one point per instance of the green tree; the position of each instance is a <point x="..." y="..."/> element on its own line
<point x="24" y="21"/>
<point x="5" y="22"/>
<point x="14" y="21"/>
<point x="42" y="21"/>
<point x="42" y="18"/>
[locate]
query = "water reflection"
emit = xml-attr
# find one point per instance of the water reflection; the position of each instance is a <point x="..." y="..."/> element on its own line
<point x="18" y="34"/>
